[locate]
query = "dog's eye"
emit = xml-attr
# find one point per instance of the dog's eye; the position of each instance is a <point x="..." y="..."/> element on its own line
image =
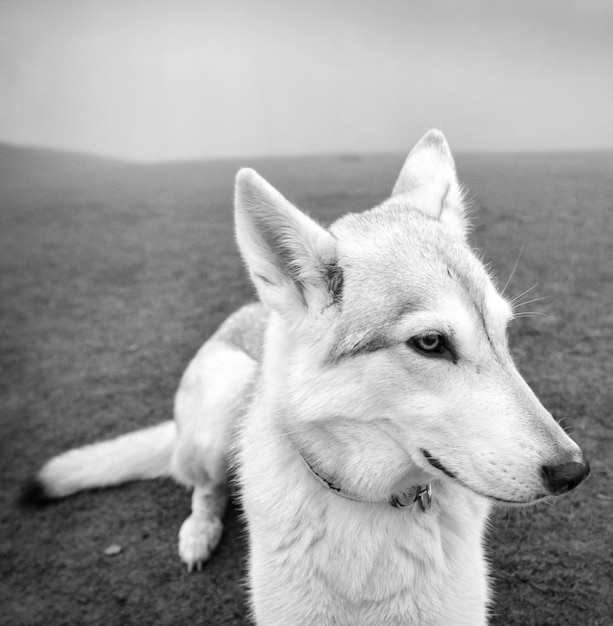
<point x="429" y="342"/>
<point x="432" y="344"/>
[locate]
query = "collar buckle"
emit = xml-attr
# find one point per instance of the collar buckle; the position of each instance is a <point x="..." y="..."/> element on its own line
<point x="420" y="494"/>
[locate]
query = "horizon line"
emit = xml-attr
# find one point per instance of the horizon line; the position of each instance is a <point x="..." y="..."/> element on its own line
<point x="340" y="154"/>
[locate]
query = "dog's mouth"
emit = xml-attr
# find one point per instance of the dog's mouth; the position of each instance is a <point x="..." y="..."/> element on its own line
<point x="437" y="464"/>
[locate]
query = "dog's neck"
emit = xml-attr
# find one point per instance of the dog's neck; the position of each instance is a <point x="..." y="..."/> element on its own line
<point x="406" y="498"/>
<point x="352" y="556"/>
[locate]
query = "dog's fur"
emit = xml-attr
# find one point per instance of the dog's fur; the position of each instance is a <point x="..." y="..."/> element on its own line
<point x="376" y="362"/>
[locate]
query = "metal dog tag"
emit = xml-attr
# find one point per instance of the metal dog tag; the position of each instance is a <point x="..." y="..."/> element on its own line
<point x="425" y="497"/>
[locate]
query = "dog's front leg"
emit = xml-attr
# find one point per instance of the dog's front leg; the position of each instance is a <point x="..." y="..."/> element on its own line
<point x="201" y="531"/>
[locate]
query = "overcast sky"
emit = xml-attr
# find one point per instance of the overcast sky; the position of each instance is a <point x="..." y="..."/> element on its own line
<point x="163" y="80"/>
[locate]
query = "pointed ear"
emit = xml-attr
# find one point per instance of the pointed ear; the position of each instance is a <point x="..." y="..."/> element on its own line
<point x="291" y="258"/>
<point x="429" y="181"/>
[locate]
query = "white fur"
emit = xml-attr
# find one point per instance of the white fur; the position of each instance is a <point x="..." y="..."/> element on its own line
<point x="328" y="369"/>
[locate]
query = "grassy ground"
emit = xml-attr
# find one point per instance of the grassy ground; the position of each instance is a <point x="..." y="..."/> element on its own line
<point x="111" y="276"/>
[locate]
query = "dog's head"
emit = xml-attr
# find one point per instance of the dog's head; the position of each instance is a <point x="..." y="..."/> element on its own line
<point x="386" y="361"/>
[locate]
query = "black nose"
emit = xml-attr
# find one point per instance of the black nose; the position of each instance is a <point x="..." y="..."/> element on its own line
<point x="564" y="477"/>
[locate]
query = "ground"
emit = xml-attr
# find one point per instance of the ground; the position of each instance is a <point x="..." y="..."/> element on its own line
<point x="111" y="276"/>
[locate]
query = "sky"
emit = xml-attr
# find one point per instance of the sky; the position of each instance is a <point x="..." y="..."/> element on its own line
<point x="163" y="80"/>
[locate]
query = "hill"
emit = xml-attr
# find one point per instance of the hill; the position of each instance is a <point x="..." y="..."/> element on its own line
<point x="112" y="274"/>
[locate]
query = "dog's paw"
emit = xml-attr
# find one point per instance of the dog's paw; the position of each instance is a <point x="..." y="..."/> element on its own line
<point x="198" y="538"/>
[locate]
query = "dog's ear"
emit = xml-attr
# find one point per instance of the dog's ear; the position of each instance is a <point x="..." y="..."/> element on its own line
<point x="429" y="181"/>
<point x="291" y="258"/>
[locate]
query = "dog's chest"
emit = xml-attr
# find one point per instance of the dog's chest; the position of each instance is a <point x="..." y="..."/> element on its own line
<point x="308" y="568"/>
<point x="317" y="558"/>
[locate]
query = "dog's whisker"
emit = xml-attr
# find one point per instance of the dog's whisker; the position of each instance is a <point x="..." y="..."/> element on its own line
<point x="521" y="294"/>
<point x="521" y="249"/>
<point x="530" y="314"/>
<point x="530" y="301"/>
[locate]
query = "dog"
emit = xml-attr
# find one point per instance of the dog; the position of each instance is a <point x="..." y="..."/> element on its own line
<point x="370" y="405"/>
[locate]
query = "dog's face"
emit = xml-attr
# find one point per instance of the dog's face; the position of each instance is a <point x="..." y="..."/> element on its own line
<point x="388" y="358"/>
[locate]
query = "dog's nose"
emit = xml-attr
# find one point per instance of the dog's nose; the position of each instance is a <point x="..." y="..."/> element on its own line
<point x="565" y="476"/>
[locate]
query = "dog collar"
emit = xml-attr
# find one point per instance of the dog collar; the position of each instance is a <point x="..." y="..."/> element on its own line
<point x="416" y="493"/>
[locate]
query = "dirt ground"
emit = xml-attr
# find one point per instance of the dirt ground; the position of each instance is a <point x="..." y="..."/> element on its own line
<point x="111" y="275"/>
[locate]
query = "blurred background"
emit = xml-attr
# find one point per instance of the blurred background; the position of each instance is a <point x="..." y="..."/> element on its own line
<point x="151" y="80"/>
